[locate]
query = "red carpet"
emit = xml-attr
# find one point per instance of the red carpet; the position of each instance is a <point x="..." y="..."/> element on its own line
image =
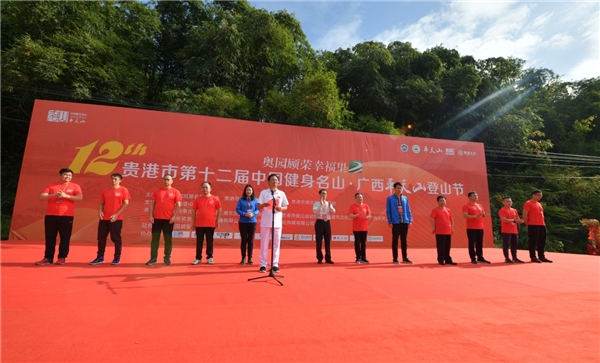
<point x="324" y="313"/>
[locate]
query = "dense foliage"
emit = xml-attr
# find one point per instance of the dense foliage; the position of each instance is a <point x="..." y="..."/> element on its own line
<point x="230" y="59"/>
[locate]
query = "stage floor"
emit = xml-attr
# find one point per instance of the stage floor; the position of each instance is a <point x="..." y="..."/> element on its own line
<point x="344" y="312"/>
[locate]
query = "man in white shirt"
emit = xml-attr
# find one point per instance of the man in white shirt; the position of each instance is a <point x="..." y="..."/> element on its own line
<point x="322" y="210"/>
<point x="265" y="200"/>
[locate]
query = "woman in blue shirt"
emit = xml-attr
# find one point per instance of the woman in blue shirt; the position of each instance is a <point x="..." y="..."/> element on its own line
<point x="247" y="208"/>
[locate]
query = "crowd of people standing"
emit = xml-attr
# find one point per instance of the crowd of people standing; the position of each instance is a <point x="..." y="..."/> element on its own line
<point x="165" y="205"/>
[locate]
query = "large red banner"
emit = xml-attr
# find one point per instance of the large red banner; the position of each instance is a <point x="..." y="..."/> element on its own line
<point x="96" y="141"/>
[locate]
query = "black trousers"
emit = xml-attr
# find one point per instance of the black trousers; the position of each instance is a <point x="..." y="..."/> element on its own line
<point x="537" y="241"/>
<point x="443" y="243"/>
<point x="360" y="244"/>
<point x="323" y="231"/>
<point x="247" y="231"/>
<point x="399" y="231"/>
<point x="512" y="240"/>
<point x="475" y="237"/>
<point x="161" y="226"/>
<point x="114" y="228"/>
<point x="54" y="226"/>
<point x="209" y="232"/>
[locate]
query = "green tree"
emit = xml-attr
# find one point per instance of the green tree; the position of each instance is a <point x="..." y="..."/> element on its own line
<point x="363" y="74"/>
<point x="313" y="101"/>
<point x="97" y="52"/>
<point x="232" y="45"/>
<point x="371" y="124"/>
<point x="77" y="50"/>
<point x="215" y="101"/>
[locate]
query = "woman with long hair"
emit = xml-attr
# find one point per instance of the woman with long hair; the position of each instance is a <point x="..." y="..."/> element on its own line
<point x="247" y="208"/>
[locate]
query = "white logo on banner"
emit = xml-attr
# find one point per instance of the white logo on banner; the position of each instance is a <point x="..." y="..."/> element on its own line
<point x="223" y="235"/>
<point x="66" y="116"/>
<point x="287" y="237"/>
<point x="339" y="238"/>
<point x="374" y="238"/>
<point x="181" y="234"/>
<point x="303" y="237"/>
<point x="58" y="116"/>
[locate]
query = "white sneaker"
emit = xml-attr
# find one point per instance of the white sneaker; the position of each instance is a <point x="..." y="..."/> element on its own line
<point x="196" y="262"/>
<point x="210" y="261"/>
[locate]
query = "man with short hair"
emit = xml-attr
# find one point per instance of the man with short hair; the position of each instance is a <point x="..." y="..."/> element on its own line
<point x="509" y="220"/>
<point x="164" y="208"/>
<point x="533" y="215"/>
<point x="271" y="222"/>
<point x="206" y="212"/>
<point x="360" y="213"/>
<point x="59" y="217"/>
<point x="322" y="210"/>
<point x="399" y="219"/>
<point x="474" y="214"/>
<point x="113" y="202"/>
<point x="442" y="225"/>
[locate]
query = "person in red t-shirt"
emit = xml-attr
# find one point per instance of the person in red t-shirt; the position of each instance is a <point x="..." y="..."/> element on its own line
<point x="164" y="208"/>
<point x="113" y="202"/>
<point x="206" y="212"/>
<point x="61" y="198"/>
<point x="360" y="214"/>
<point x="533" y="215"/>
<point x="474" y="214"/>
<point x="442" y="225"/>
<point x="509" y="219"/>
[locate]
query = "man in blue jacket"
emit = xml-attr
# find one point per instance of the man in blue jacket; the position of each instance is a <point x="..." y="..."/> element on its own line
<point x="399" y="219"/>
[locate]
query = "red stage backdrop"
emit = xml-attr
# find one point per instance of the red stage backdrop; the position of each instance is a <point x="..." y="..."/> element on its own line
<point x="95" y="141"/>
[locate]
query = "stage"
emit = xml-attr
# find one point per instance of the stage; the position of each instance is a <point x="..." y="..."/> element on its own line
<point x="344" y="312"/>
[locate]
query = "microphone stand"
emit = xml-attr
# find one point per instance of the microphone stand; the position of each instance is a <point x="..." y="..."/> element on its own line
<point x="271" y="272"/>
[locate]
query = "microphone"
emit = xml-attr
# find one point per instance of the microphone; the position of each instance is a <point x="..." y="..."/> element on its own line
<point x="272" y="192"/>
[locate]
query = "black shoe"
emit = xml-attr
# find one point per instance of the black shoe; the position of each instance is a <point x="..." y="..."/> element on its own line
<point x="357" y="260"/>
<point x="544" y="259"/>
<point x="250" y="261"/>
<point x="396" y="262"/>
<point x="151" y="262"/>
<point x="167" y="261"/>
<point x="517" y="260"/>
<point x="474" y="261"/>
<point x="320" y="262"/>
<point x="508" y="260"/>
<point x="243" y="261"/>
<point x="536" y="260"/>
<point x="262" y="269"/>
<point x="406" y="260"/>
<point x="364" y="260"/>
<point x="451" y="263"/>
<point x="329" y="262"/>
<point x="441" y="262"/>
<point x="483" y="260"/>
<point x="275" y="269"/>
<point x="97" y="261"/>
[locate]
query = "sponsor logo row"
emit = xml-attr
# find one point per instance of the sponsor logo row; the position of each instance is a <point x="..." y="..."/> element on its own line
<point x="416" y="149"/>
<point x="284" y="237"/>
